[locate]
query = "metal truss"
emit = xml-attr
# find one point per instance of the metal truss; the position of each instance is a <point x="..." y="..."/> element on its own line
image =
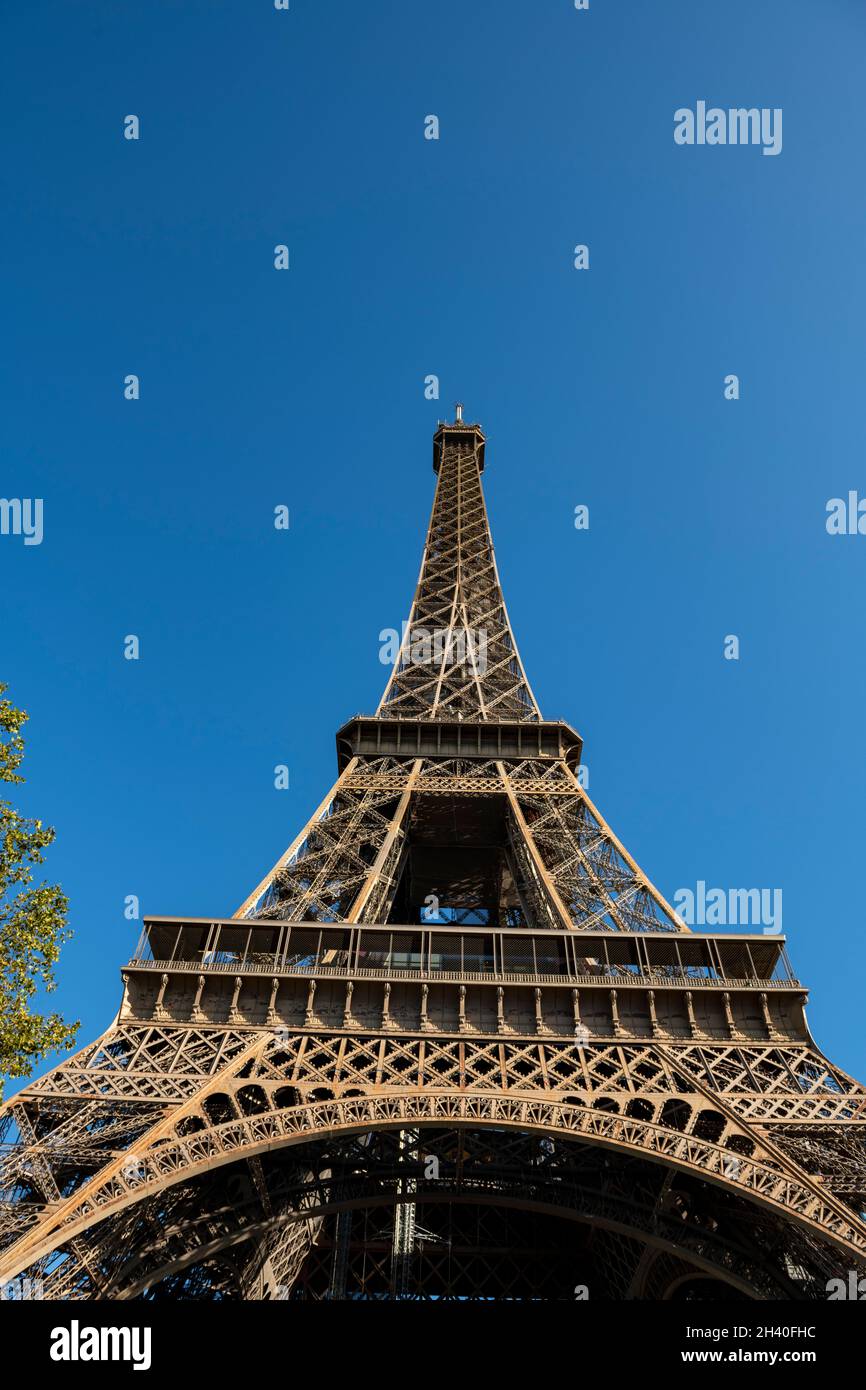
<point x="474" y="671"/>
<point x="568" y="867"/>
<point x="326" y="1097"/>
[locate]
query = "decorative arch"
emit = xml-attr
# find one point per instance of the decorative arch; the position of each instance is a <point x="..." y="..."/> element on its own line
<point x="174" y="1156"/>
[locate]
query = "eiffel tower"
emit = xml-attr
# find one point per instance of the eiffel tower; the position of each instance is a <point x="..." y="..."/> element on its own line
<point x="454" y="1045"/>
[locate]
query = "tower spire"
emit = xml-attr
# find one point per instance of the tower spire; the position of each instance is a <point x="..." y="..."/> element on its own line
<point x="458" y="657"/>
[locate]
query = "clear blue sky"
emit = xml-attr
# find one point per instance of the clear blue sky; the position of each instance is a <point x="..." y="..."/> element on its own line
<point x="454" y="257"/>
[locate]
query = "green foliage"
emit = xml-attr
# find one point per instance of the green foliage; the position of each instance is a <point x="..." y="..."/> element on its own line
<point x="32" y="922"/>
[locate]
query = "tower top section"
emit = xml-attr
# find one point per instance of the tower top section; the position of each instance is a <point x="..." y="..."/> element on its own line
<point x="470" y="438"/>
<point x="458" y="659"/>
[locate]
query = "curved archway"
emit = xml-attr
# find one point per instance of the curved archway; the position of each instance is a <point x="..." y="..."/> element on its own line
<point x="182" y="1157"/>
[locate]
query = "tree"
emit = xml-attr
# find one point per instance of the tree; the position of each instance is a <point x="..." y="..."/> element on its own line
<point x="32" y="922"/>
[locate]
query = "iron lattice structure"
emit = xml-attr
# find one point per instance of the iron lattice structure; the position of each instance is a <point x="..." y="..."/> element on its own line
<point x="454" y="1045"/>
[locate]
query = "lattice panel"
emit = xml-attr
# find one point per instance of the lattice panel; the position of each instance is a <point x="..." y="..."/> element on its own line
<point x="332" y="865"/>
<point x="601" y="890"/>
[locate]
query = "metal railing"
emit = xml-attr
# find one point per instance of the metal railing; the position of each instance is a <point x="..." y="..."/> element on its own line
<point x="603" y="975"/>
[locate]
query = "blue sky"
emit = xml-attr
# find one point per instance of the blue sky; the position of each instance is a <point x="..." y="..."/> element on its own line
<point x="306" y="388"/>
